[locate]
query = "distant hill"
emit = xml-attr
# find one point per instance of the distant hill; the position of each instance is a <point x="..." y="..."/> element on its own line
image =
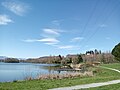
<point x="21" y="58"/>
<point x="3" y="57"/>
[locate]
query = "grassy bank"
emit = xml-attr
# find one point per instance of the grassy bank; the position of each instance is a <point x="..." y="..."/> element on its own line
<point x="115" y="65"/>
<point x="100" y="76"/>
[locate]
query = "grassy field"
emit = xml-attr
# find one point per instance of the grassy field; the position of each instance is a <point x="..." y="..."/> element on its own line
<point x="100" y="76"/>
<point x="115" y="65"/>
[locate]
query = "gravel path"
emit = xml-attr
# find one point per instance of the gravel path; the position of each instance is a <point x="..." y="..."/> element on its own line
<point x="88" y="85"/>
<point x="92" y="84"/>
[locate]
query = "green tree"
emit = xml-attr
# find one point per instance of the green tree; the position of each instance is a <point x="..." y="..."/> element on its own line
<point x="60" y="57"/>
<point x="116" y="52"/>
<point x="63" y="62"/>
<point x="69" y="60"/>
<point x="80" y="59"/>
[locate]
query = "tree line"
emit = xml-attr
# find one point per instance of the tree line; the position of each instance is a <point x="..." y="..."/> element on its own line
<point x="89" y="56"/>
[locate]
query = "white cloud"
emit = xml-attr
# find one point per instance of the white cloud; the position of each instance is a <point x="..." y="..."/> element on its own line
<point x="77" y="39"/>
<point x="4" y="20"/>
<point x="51" y="31"/>
<point x="66" y="47"/>
<point x="18" y="8"/>
<point x="30" y="40"/>
<point x="49" y="37"/>
<point x="49" y="41"/>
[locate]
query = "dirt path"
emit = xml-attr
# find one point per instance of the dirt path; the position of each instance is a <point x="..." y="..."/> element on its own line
<point x="92" y="84"/>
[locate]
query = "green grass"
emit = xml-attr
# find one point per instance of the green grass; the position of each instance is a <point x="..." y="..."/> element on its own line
<point x="115" y="65"/>
<point x="101" y="76"/>
<point x="107" y="87"/>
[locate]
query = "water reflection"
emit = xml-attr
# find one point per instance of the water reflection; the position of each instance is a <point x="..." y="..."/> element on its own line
<point x="52" y="68"/>
<point x="19" y="71"/>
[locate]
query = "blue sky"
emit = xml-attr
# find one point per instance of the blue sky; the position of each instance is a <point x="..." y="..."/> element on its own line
<point x="34" y="28"/>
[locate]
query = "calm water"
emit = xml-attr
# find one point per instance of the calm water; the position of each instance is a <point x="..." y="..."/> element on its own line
<point x="19" y="71"/>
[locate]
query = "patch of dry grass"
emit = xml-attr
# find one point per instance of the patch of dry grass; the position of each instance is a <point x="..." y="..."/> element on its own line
<point x="65" y="75"/>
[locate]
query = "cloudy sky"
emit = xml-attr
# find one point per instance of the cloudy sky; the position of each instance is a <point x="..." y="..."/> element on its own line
<point x="34" y="28"/>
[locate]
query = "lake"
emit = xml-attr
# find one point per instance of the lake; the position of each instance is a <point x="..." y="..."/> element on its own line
<point x="20" y="71"/>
